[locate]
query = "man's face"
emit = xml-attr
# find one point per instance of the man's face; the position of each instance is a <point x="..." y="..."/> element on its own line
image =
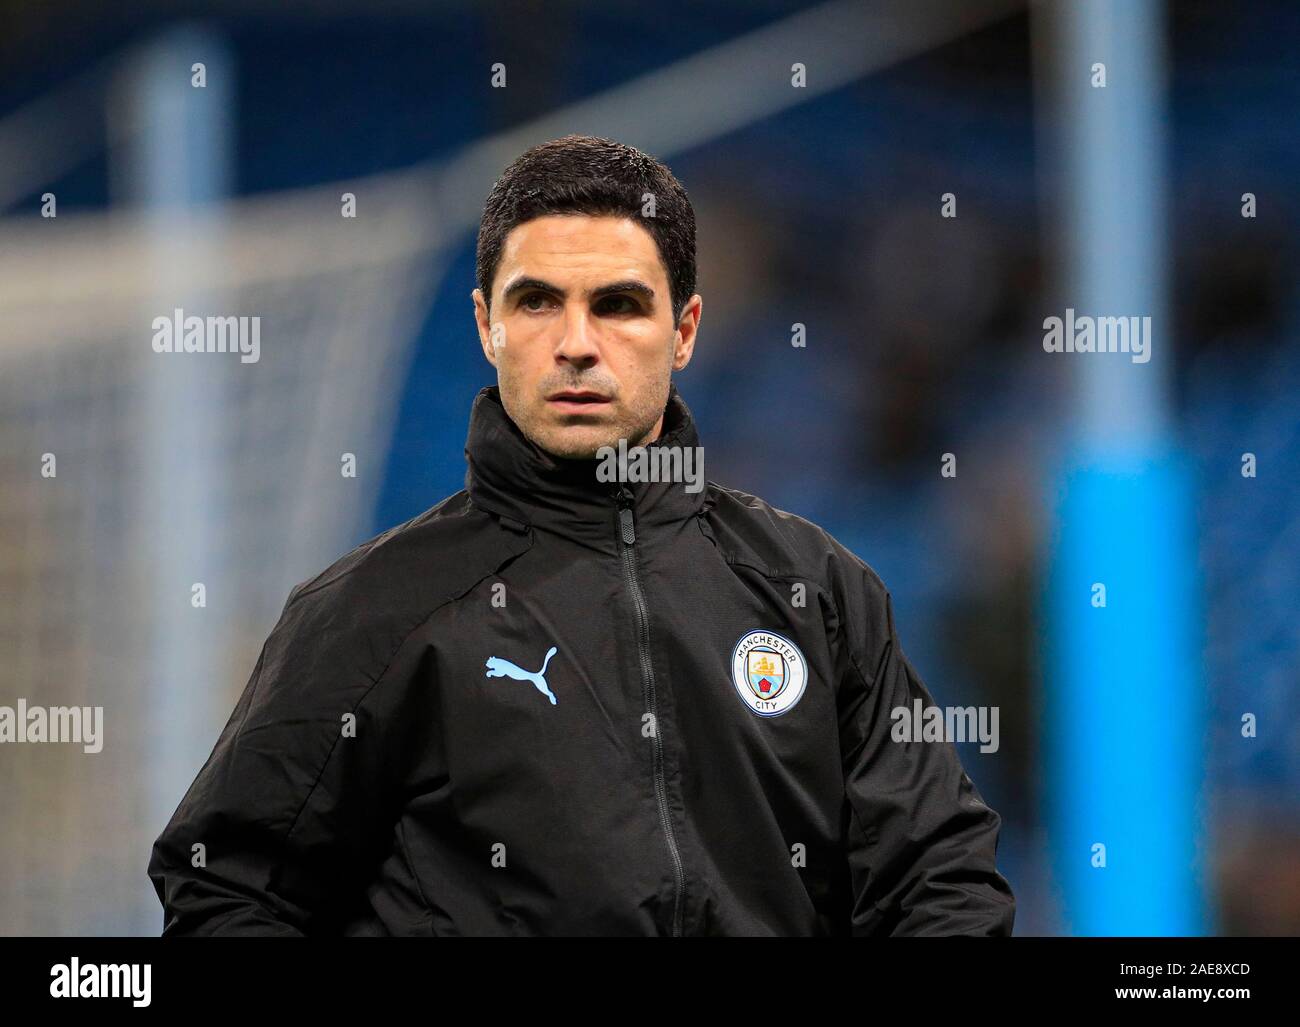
<point x="582" y="332"/>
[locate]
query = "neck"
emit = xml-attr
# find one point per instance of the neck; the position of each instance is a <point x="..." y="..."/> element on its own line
<point x="511" y="476"/>
<point x="654" y="432"/>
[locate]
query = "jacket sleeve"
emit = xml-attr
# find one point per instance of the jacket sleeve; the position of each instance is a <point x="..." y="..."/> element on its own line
<point x="275" y="834"/>
<point x="922" y="842"/>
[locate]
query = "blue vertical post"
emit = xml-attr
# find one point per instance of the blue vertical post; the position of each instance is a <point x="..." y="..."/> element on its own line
<point x="1124" y="698"/>
<point x="176" y="168"/>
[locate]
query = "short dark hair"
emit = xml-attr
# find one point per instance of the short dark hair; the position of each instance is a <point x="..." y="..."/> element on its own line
<point x="590" y="175"/>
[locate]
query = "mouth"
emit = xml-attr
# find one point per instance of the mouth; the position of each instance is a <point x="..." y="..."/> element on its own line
<point x="582" y="401"/>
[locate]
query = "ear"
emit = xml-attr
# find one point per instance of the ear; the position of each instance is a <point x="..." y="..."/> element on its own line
<point x="688" y="326"/>
<point x="484" y="326"/>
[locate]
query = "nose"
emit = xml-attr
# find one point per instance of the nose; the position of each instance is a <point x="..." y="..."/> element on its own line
<point x="578" y="344"/>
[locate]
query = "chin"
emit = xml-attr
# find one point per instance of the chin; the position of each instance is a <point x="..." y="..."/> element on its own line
<point x="577" y="443"/>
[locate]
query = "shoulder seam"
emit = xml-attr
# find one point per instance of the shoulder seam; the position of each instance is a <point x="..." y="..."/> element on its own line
<point x="762" y="568"/>
<point x="360" y="551"/>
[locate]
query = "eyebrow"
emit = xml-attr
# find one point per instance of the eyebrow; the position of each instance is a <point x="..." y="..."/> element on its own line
<point x="631" y="285"/>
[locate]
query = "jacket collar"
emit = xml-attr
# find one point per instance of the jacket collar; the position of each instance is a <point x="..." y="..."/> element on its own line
<point x="517" y="480"/>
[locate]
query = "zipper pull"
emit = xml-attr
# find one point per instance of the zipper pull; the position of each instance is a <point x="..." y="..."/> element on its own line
<point x="625" y="515"/>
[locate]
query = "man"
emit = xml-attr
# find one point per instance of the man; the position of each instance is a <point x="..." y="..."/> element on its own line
<point x="578" y="698"/>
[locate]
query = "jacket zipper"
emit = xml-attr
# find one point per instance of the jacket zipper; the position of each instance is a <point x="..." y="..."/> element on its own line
<point x="627" y="533"/>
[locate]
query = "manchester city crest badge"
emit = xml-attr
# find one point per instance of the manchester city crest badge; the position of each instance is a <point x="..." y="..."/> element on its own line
<point x="769" y="672"/>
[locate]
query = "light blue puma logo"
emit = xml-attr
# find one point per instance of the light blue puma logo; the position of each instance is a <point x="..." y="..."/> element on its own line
<point x="499" y="668"/>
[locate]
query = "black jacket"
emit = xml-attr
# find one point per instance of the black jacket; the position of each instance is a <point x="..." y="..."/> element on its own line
<point x="553" y="706"/>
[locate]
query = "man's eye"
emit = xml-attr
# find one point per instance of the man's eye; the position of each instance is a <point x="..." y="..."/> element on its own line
<point x="534" y="300"/>
<point x="618" y="305"/>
